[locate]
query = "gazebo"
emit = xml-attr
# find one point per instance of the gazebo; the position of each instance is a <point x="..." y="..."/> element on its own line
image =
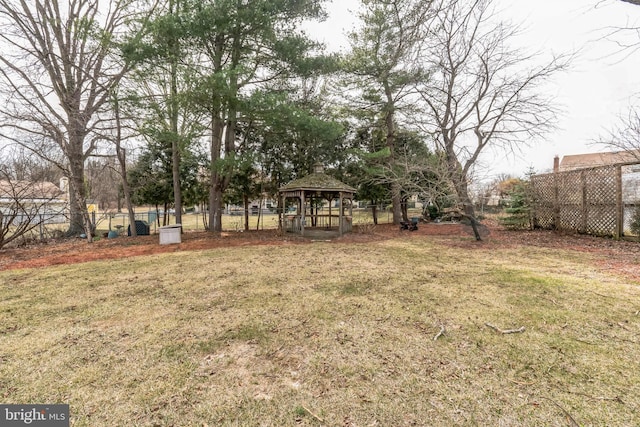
<point x="308" y="215"/>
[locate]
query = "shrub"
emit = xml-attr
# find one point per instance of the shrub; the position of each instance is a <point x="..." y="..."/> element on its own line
<point x="520" y="208"/>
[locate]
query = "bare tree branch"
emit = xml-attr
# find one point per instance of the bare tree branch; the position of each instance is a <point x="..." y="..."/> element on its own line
<point x="625" y="136"/>
<point x="26" y="205"/>
<point x="482" y="93"/>
<point x="58" y="69"/>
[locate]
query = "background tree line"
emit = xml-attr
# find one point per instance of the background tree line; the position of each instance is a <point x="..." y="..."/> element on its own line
<point x="207" y="101"/>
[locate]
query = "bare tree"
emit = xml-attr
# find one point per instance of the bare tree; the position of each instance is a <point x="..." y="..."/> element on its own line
<point x="481" y="93"/>
<point x="626" y="135"/>
<point x="101" y="180"/>
<point x="27" y="167"/>
<point x="57" y="74"/>
<point x="121" y="154"/>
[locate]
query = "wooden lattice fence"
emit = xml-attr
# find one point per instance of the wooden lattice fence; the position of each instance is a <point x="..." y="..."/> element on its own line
<point x="591" y="201"/>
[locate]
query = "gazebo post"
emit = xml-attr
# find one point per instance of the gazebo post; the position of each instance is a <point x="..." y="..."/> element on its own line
<point x="303" y="211"/>
<point x="341" y="214"/>
<point x="281" y="217"/>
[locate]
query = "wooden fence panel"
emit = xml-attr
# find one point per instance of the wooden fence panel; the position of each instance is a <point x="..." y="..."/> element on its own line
<point x="569" y="201"/>
<point x="544" y="200"/>
<point x="601" y="201"/>
<point x="584" y="201"/>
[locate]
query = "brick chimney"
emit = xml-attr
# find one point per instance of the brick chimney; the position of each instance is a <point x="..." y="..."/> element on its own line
<point x="556" y="164"/>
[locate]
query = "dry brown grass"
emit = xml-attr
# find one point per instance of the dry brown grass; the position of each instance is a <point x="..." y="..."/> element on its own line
<point x="326" y="334"/>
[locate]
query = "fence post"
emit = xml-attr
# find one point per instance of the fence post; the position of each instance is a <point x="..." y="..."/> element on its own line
<point x="619" y="204"/>
<point x="585" y="206"/>
<point x="556" y="201"/>
<point x="41" y="226"/>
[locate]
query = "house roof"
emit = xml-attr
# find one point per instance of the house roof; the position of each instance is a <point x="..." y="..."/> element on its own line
<point x="318" y="181"/>
<point x="581" y="161"/>
<point x="27" y="190"/>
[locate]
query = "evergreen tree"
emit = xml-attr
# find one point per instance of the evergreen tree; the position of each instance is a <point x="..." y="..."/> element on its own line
<point x="519" y="209"/>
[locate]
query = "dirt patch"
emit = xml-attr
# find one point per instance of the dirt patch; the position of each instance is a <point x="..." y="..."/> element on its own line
<point x="618" y="256"/>
<point x="72" y="251"/>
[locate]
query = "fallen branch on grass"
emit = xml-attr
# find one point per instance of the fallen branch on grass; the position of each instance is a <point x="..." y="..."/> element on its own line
<point x="312" y="414"/>
<point x="441" y="333"/>
<point x="600" y="398"/>
<point x="521" y="383"/>
<point x="570" y="419"/>
<point x="624" y="327"/>
<point x="583" y="341"/>
<point x="600" y="295"/>
<point x="506" y="331"/>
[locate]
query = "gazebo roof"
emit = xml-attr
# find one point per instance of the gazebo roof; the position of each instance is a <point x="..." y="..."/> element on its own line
<point x="318" y="181"/>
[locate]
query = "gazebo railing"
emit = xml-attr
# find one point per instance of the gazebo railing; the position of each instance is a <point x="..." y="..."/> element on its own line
<point x="323" y="221"/>
<point x="293" y="223"/>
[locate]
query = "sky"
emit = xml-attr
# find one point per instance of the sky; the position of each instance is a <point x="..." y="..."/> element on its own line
<point x="593" y="94"/>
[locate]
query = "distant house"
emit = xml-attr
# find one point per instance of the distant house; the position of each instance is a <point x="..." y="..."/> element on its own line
<point x="592" y="160"/>
<point x="630" y="170"/>
<point x="265" y="206"/>
<point x="33" y="201"/>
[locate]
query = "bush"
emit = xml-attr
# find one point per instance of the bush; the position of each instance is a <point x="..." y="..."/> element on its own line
<point x="433" y="212"/>
<point x="519" y="210"/>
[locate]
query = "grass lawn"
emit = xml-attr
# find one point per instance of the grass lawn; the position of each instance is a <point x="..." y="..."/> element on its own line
<point x="326" y="334"/>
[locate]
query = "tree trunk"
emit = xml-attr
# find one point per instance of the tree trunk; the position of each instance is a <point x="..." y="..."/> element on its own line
<point x="259" y="214"/>
<point x="215" y="210"/>
<point x="391" y="144"/>
<point x="177" y="192"/>
<point x="405" y="210"/>
<point x="245" y="200"/>
<point x="374" y="212"/>
<point x="174" y="111"/>
<point x="79" y="215"/>
<point x="126" y="189"/>
<point x="205" y="218"/>
<point x="76" y="225"/>
<point x="396" y="201"/>
<point x="459" y="180"/>
<point x="221" y="176"/>
<point x="165" y="217"/>
<point x="121" y="154"/>
<point x="215" y="192"/>
<point x="467" y="206"/>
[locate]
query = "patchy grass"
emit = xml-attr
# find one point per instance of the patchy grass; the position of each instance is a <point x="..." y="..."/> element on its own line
<point x="326" y="334"/>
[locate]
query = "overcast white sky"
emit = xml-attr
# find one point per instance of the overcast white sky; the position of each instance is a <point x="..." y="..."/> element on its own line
<point x="594" y="93"/>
